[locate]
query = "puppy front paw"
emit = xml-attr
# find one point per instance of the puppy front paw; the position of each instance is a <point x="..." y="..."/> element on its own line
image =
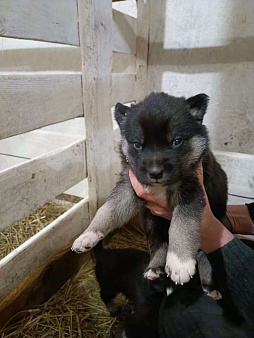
<point x="86" y="241"/>
<point x="152" y="273"/>
<point x="179" y="271"/>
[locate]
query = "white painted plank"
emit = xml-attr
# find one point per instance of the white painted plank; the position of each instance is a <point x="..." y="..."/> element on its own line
<point x="95" y="23"/>
<point x="123" y="63"/>
<point x="44" y="140"/>
<point x="240" y="171"/>
<point x="46" y="20"/>
<point x="124" y="33"/>
<point x="236" y="200"/>
<point x="79" y="190"/>
<point x="37" y="56"/>
<point x="16" y="266"/>
<point x="9" y="161"/>
<point x="123" y="88"/>
<point x="36" y="143"/>
<point x="31" y="101"/>
<point x="71" y="128"/>
<point x="142" y="49"/>
<point x="127" y="7"/>
<point x="31" y="184"/>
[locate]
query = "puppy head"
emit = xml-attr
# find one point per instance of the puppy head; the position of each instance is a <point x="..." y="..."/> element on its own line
<point x="163" y="136"/>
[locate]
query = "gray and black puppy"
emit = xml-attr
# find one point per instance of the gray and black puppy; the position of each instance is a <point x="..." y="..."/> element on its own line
<point x="163" y="140"/>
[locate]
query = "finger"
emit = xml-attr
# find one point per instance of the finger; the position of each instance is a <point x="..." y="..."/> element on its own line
<point x="137" y="186"/>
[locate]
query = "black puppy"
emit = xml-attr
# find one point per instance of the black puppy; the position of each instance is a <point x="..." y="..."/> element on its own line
<point x="163" y="140"/>
<point x="121" y="270"/>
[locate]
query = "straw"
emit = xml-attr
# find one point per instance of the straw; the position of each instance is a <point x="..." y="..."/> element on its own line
<point x="76" y="310"/>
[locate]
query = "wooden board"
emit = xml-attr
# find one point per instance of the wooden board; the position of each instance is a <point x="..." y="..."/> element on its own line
<point x="37" y="142"/>
<point x="35" y="182"/>
<point x="123" y="63"/>
<point x="240" y="171"/>
<point x="46" y="20"/>
<point x="9" y="161"/>
<point x="124" y="33"/>
<point x="37" y="268"/>
<point x="37" y="56"/>
<point x="95" y="26"/>
<point x="236" y="200"/>
<point x="142" y="49"/>
<point x="32" y="101"/>
<point x="128" y="7"/>
<point x="123" y="88"/>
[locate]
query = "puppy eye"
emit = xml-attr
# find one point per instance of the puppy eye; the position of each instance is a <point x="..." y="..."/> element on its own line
<point x="137" y="145"/>
<point x="177" y="142"/>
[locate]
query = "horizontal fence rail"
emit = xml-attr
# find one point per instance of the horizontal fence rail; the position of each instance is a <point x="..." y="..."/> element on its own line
<point x="32" y="101"/>
<point x="47" y="20"/>
<point x="29" y="185"/>
<point x="124" y="33"/>
<point x="41" y="248"/>
<point x="240" y="171"/>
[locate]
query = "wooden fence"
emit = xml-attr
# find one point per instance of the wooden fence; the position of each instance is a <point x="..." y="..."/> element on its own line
<point x="108" y="40"/>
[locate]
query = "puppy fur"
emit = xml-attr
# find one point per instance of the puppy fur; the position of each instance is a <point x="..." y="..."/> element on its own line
<point x="121" y="270"/>
<point x="163" y="140"/>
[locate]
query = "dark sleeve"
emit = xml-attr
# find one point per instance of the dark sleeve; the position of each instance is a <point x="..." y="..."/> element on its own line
<point x="233" y="269"/>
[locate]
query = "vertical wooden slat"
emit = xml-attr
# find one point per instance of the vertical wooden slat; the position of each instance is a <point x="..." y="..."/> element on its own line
<point x="142" y="49"/>
<point x="95" y="26"/>
<point x="30" y="184"/>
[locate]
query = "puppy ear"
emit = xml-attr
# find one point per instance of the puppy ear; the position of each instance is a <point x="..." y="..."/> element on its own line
<point x="198" y="105"/>
<point x="121" y="112"/>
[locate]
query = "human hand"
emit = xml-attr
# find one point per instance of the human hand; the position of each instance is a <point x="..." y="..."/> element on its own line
<point x="154" y="203"/>
<point x="213" y="234"/>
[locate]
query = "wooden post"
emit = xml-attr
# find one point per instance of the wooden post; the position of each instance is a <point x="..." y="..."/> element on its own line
<point x="95" y="27"/>
<point x="142" y="49"/>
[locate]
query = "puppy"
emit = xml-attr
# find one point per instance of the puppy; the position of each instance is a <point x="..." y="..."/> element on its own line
<point x="163" y="140"/>
<point x="121" y="270"/>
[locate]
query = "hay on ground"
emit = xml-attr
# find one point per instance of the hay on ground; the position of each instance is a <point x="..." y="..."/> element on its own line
<point x="76" y="310"/>
<point x="16" y="234"/>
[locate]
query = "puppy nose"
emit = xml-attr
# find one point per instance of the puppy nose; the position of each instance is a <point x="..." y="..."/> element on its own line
<point x="156" y="173"/>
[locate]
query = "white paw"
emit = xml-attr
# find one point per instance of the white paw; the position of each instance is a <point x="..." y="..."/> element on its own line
<point x="86" y="241"/>
<point x="216" y="295"/>
<point x="153" y="274"/>
<point x="179" y="271"/>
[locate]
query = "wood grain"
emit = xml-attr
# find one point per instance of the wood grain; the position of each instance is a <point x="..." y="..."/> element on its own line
<point x="47" y="20"/>
<point x="35" y="182"/>
<point x="32" y="101"/>
<point x="95" y="26"/>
